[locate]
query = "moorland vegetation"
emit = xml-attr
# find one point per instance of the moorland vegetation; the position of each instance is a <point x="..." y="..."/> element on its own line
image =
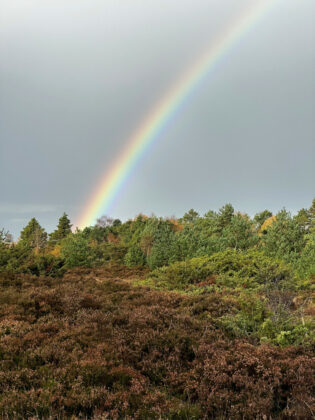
<point x="201" y="317"/>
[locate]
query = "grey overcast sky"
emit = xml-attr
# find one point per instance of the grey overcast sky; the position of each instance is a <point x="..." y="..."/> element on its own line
<point x="78" y="76"/>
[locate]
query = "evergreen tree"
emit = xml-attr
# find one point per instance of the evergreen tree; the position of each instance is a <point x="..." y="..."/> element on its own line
<point x="240" y="233"/>
<point x="284" y="239"/>
<point x="33" y="235"/>
<point x="134" y="257"/>
<point x="63" y="229"/>
<point x="225" y="215"/>
<point x="306" y="263"/>
<point x="76" y="251"/>
<point x="117" y="223"/>
<point x="190" y="217"/>
<point x="311" y="214"/>
<point x="147" y="242"/>
<point x="156" y="242"/>
<point x="306" y="218"/>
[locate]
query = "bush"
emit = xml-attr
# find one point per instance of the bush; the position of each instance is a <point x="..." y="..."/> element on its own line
<point x="22" y="259"/>
<point x="230" y="268"/>
<point x="256" y="318"/>
<point x="45" y="265"/>
<point x="284" y="238"/>
<point x="76" y="251"/>
<point x="305" y="265"/>
<point x="113" y="253"/>
<point x="93" y="346"/>
<point x="134" y="257"/>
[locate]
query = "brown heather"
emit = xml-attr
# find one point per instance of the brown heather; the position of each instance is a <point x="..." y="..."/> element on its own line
<point x="92" y="345"/>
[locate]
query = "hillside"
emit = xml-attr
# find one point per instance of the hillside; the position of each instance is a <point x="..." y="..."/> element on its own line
<point x="94" y="344"/>
<point x="201" y="317"/>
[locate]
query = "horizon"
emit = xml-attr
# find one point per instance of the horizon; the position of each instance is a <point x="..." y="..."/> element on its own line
<point x="153" y="215"/>
<point x="78" y="79"/>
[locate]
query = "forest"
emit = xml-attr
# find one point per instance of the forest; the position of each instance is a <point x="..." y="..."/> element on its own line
<point x="200" y="317"/>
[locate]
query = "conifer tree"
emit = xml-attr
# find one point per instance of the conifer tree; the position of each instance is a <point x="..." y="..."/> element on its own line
<point x="311" y="213"/>
<point x="284" y="238"/>
<point x="63" y="229"/>
<point x="306" y="218"/>
<point x="225" y="215"/>
<point x="33" y="235"/>
<point x="190" y="217"/>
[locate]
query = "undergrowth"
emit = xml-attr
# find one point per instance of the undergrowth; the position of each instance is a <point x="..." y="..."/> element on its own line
<point x="95" y="345"/>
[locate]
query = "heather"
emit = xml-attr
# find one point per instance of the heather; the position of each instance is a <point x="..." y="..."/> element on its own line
<point x="198" y="317"/>
<point x="93" y="345"/>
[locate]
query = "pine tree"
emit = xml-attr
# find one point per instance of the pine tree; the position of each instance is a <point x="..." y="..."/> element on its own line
<point x="239" y="233"/>
<point x="225" y="215"/>
<point x="306" y="218"/>
<point x="284" y="238"/>
<point x="311" y="213"/>
<point x="190" y="217"/>
<point x="33" y="235"/>
<point x="62" y="231"/>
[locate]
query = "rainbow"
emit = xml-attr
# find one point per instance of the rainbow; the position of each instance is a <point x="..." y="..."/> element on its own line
<point x="157" y="120"/>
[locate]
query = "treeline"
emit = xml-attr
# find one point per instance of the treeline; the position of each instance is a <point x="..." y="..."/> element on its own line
<point x="157" y="242"/>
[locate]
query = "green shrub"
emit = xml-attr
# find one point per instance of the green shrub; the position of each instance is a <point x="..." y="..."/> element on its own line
<point x="284" y="238"/>
<point x="134" y="257"/>
<point x="255" y="318"/>
<point x="45" y="265"/>
<point x="22" y="259"/>
<point x="251" y="314"/>
<point x="294" y="335"/>
<point x="113" y="253"/>
<point x="76" y="251"/>
<point x="305" y="265"/>
<point x="231" y="268"/>
<point x="186" y="411"/>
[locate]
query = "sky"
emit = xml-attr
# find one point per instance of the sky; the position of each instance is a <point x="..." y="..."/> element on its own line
<point x="78" y="77"/>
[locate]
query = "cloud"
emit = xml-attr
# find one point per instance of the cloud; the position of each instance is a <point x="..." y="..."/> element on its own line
<point x="27" y="208"/>
<point x="19" y="220"/>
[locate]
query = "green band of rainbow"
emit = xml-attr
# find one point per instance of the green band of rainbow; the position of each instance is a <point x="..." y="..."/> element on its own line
<point x="109" y="186"/>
